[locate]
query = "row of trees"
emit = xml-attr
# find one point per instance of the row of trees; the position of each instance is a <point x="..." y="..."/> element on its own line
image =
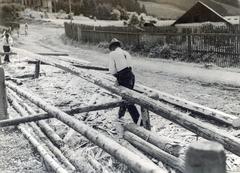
<point x="102" y="9"/>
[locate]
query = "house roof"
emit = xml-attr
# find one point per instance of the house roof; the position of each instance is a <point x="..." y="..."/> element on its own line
<point x="200" y="13"/>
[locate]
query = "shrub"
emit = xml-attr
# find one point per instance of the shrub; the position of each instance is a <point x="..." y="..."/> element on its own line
<point x="10" y="12"/>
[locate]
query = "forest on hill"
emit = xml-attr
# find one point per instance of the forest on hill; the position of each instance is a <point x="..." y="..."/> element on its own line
<point x="102" y="9"/>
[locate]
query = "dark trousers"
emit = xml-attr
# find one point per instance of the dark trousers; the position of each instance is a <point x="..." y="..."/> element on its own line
<point x="127" y="79"/>
<point x="6" y="49"/>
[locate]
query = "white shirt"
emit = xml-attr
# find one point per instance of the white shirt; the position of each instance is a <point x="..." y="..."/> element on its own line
<point x="118" y="60"/>
<point x="9" y="43"/>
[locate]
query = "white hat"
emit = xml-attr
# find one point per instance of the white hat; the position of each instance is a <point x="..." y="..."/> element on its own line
<point x="114" y="41"/>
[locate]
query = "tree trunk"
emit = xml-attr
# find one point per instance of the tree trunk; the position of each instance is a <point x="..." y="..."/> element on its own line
<point x="155" y="152"/>
<point x="166" y="144"/>
<point x="42" y="116"/>
<point x="193" y="107"/>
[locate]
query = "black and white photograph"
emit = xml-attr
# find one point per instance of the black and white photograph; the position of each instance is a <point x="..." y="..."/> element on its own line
<point x="120" y="86"/>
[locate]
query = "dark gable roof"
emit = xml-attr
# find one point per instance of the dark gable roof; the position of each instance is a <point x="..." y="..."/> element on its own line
<point x="199" y="13"/>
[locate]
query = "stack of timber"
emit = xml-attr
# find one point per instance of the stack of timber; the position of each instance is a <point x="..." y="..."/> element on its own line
<point x="122" y="154"/>
<point x="204" y="130"/>
<point x="187" y="106"/>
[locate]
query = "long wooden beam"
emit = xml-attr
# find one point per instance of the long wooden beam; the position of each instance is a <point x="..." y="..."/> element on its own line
<point x="164" y="143"/>
<point x="204" y="130"/>
<point x="154" y="151"/>
<point x="43" y="116"/>
<point x="113" y="148"/>
<point x="204" y="111"/>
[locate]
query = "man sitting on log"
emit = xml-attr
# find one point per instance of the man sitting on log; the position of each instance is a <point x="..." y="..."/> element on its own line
<point x="120" y="67"/>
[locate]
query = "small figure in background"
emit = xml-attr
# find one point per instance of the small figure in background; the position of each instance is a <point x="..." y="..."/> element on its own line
<point x="26" y="29"/>
<point x="7" y="43"/>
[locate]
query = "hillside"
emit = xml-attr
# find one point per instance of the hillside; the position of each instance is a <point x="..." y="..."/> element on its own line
<point x="175" y="8"/>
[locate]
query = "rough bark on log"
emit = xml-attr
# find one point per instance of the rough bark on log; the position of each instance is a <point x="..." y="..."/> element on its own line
<point x="120" y="153"/>
<point x="164" y="143"/>
<point x="193" y="107"/>
<point x="57" y="153"/>
<point x="204" y="130"/>
<point x="89" y="67"/>
<point x="155" y="152"/>
<point x="53" y="136"/>
<point x="48" y="158"/>
<point x="38" y="117"/>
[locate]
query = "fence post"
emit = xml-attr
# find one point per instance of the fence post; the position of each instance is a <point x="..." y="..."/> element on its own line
<point x="37" y="70"/>
<point x="189" y="45"/>
<point x="3" y="96"/>
<point x="205" y="157"/>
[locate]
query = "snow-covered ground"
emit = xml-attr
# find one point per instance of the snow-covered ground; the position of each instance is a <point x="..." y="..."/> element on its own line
<point x="215" y="88"/>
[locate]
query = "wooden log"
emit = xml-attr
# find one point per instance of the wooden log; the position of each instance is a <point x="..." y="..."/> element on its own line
<point x="113" y="148"/>
<point x="28" y="76"/>
<point x="53" y="54"/>
<point x="53" y="136"/>
<point x="204" y="130"/>
<point x="55" y="166"/>
<point x="7" y="53"/>
<point x="43" y="116"/>
<point x="3" y="99"/>
<point x="193" y="107"/>
<point x="97" y="166"/>
<point x="37" y="70"/>
<point x="35" y="62"/>
<point x="15" y="80"/>
<point x="164" y="143"/>
<point x="91" y="67"/>
<point x="155" y="152"/>
<point x="17" y="121"/>
<point x="205" y="157"/>
<point x="57" y="153"/>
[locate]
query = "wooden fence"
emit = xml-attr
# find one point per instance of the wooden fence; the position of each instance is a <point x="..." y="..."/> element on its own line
<point x="219" y="45"/>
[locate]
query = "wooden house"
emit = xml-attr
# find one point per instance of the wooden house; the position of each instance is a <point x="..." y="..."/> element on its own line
<point x="200" y="13"/>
